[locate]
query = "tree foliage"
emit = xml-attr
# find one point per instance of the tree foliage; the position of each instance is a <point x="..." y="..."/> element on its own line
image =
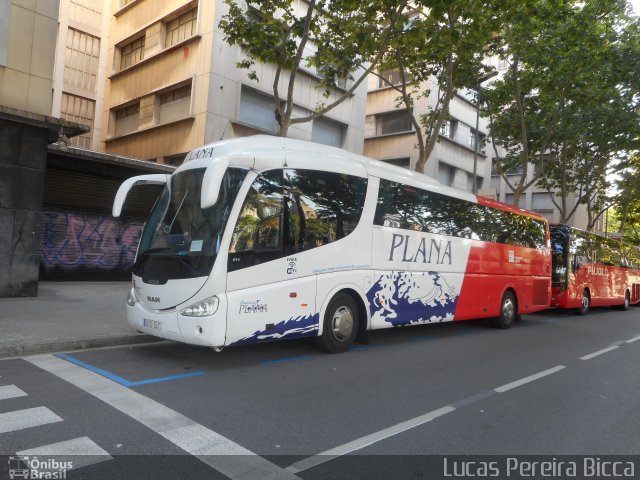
<point x="569" y="102"/>
<point x="439" y="52"/>
<point x="337" y="39"/>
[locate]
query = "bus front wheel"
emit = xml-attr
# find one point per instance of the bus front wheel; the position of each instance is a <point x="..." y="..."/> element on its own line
<point x="508" y="311"/>
<point x="586" y="303"/>
<point x="340" y="325"/>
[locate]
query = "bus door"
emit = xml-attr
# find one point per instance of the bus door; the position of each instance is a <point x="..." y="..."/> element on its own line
<point x="268" y="298"/>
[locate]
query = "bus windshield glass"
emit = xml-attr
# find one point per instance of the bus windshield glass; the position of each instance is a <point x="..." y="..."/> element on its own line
<point x="560" y="250"/>
<point x="180" y="239"/>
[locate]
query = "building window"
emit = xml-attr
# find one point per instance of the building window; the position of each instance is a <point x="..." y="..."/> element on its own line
<point x="446" y="174"/>
<point x="510" y="197"/>
<point x="389" y="77"/>
<point x="127" y="119"/>
<point x="449" y="128"/>
<point x="394" y="122"/>
<point x="81" y="60"/>
<point x="257" y="110"/>
<point x="175" y="160"/>
<point x="87" y="12"/>
<point x="181" y="28"/>
<point x="80" y="110"/>
<point x="175" y="104"/>
<point x="328" y="132"/>
<point x="472" y="141"/>
<point x="399" y="162"/>
<point x="132" y="53"/>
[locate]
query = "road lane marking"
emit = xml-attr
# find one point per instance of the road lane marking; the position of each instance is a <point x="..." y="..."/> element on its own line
<point x="473" y="399"/>
<point x="530" y="378"/>
<point x="80" y="452"/>
<point x="30" y="417"/>
<point x="634" y="339"/>
<point x="11" y="391"/>
<point x="213" y="449"/>
<point x="122" y="380"/>
<point x="599" y="352"/>
<point x="367" y="440"/>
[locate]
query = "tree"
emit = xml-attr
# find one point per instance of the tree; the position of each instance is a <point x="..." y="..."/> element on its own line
<point x="626" y="208"/>
<point x="568" y="103"/>
<point x="338" y="39"/>
<point x="439" y="52"/>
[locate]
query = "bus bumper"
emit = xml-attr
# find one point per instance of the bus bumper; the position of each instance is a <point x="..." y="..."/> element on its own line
<point x="171" y="325"/>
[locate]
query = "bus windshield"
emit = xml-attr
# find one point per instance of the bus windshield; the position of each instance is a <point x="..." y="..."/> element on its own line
<point x="560" y="255"/>
<point x="180" y="239"/>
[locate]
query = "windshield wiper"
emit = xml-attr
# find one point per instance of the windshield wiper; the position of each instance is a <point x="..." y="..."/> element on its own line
<point x="177" y="212"/>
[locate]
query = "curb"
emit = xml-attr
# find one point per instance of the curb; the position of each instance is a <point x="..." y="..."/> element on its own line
<point x="20" y="349"/>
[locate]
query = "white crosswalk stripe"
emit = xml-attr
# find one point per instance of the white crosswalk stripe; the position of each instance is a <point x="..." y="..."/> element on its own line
<point x="10" y="391"/>
<point x="80" y="452"/>
<point x="30" y="417"/>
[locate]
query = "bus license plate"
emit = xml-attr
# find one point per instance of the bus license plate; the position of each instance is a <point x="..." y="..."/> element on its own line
<point x="152" y="324"/>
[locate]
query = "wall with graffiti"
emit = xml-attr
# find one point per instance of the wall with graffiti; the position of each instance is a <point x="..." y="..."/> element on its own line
<point x="86" y="246"/>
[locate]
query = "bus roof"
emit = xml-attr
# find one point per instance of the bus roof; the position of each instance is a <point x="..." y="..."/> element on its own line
<point x="264" y="152"/>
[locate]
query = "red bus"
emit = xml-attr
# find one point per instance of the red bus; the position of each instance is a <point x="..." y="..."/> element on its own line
<point x="592" y="271"/>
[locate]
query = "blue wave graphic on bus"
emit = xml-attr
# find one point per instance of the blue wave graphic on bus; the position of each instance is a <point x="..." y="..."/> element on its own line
<point x="306" y="326"/>
<point x="405" y="298"/>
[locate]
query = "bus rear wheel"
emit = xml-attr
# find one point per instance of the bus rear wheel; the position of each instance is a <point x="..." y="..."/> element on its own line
<point x="508" y="311"/>
<point x="627" y="301"/>
<point x="340" y="325"/>
<point x="586" y="303"/>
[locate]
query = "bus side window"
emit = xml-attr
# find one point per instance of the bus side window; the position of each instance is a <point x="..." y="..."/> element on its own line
<point x="321" y="207"/>
<point x="257" y="237"/>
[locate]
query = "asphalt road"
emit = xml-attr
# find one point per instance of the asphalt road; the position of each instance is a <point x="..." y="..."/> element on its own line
<point x="554" y="384"/>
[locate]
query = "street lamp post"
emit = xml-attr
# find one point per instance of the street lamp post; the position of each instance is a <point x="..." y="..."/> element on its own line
<point x="479" y="81"/>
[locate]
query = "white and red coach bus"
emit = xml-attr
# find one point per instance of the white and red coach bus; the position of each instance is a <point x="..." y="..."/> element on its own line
<point x="266" y="238"/>
<point x="592" y="271"/>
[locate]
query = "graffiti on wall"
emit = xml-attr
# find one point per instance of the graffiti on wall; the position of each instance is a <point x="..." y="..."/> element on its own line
<point x="71" y="240"/>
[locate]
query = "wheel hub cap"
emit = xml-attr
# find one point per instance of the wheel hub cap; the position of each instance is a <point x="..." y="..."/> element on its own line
<point x="342" y="323"/>
<point x="507" y="310"/>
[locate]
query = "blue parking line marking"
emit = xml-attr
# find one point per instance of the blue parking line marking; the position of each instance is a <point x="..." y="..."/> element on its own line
<point x="359" y="348"/>
<point x="121" y="380"/>
<point x="285" y="359"/>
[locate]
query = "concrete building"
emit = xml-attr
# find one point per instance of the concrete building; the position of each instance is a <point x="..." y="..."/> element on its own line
<point x="173" y="84"/>
<point x="28" y="32"/>
<point x="389" y="136"/>
<point x="80" y="66"/>
<point x="539" y="200"/>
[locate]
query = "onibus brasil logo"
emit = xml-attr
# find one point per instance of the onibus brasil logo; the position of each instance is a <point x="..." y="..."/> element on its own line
<point x="22" y="466"/>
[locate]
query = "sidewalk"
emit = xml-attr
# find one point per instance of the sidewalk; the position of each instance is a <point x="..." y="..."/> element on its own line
<point x="67" y="316"/>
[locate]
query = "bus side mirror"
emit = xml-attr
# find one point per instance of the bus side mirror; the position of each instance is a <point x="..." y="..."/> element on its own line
<point x="211" y="182"/>
<point x="123" y="191"/>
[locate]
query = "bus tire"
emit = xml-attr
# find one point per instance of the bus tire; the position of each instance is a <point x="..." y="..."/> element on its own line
<point x="340" y="324"/>
<point x="508" y="311"/>
<point x="586" y="303"/>
<point x="627" y="301"/>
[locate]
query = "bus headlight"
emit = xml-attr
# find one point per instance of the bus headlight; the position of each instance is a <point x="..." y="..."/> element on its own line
<point x="202" y="309"/>
<point x="131" y="298"/>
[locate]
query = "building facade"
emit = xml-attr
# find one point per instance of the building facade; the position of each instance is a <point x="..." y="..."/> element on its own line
<point x="173" y="84"/>
<point x="390" y="136"/>
<point x="28" y="32"/>
<point x="81" y="66"/>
